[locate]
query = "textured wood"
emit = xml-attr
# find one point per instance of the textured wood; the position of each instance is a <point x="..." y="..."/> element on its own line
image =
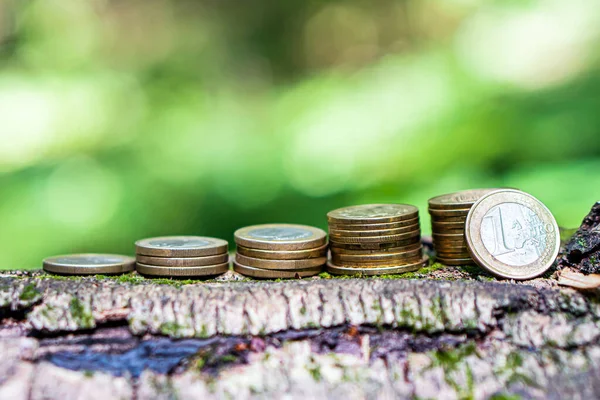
<point x="430" y="338"/>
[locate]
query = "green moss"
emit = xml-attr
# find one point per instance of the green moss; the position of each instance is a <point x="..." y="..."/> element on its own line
<point x="505" y="396"/>
<point x="170" y="329"/>
<point x="228" y="358"/>
<point x="303" y="310"/>
<point x="451" y="361"/>
<point x="80" y="315"/>
<point x="203" y="332"/>
<point x="315" y="372"/>
<point x="29" y="293"/>
<point x="88" y="373"/>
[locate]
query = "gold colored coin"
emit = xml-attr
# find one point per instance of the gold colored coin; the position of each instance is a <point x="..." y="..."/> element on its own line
<point x="179" y="272"/>
<point x="181" y="246"/>
<point x="334" y="233"/>
<point x="398" y="249"/>
<point x="460" y="219"/>
<point x="400" y="269"/>
<point x="275" y="274"/>
<point x="374" y="246"/>
<point x="440" y="227"/>
<point x="280" y="264"/>
<point x="376" y="239"/>
<point x="373" y="214"/>
<point x="183" y="262"/>
<point x="376" y="259"/>
<point x="455" y="261"/>
<point x="376" y="226"/>
<point x="280" y="237"/>
<point x="512" y="235"/>
<point x="463" y="212"/>
<point x="283" y="255"/>
<point x="458" y="200"/>
<point x="89" y="264"/>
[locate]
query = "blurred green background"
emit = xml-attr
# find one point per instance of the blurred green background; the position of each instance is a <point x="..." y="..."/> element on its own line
<point x="124" y="119"/>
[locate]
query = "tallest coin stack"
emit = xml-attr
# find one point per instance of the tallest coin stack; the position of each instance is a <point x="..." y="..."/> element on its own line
<point x="375" y="239"/>
<point x="448" y="216"/>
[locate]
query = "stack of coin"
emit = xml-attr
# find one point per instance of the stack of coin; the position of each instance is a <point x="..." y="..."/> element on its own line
<point x="448" y="215"/>
<point x="375" y="239"/>
<point x="181" y="256"/>
<point x="275" y="251"/>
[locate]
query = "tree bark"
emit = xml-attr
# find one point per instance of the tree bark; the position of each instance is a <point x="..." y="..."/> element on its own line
<point x="318" y="338"/>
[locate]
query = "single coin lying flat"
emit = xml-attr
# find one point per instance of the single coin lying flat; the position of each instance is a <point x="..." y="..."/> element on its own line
<point x="512" y="235"/>
<point x="89" y="264"/>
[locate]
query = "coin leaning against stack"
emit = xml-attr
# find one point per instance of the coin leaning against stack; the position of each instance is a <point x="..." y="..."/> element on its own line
<point x="375" y="239"/>
<point x="448" y="216"/>
<point x="275" y="251"/>
<point x="512" y="234"/>
<point x="181" y="256"/>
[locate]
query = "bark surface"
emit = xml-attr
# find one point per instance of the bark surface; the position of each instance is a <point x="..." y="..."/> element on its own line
<point x="450" y="333"/>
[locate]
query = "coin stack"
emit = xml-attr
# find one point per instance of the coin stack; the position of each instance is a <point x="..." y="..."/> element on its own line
<point x="182" y="256"/>
<point x="375" y="239"/>
<point x="89" y="264"/>
<point x="276" y="251"/>
<point x="448" y="215"/>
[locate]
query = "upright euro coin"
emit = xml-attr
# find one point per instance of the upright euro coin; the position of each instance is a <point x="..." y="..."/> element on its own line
<point x="512" y="235"/>
<point x="88" y="264"/>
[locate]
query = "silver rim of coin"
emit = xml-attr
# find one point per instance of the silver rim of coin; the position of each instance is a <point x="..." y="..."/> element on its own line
<point x="512" y="235"/>
<point x="89" y="263"/>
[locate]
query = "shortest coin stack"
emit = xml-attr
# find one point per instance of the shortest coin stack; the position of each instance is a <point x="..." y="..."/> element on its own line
<point x="448" y="215"/>
<point x="375" y="239"/>
<point x="88" y="264"/>
<point x="181" y="256"/>
<point x="279" y="251"/>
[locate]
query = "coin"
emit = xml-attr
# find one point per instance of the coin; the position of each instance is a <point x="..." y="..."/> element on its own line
<point x="443" y="226"/>
<point x="449" y="236"/>
<point x="397" y="249"/>
<point x="183" y="262"/>
<point x="438" y="219"/>
<point x="458" y="200"/>
<point x="462" y="212"/>
<point x="275" y="274"/>
<point x="283" y="237"/>
<point x="375" y="259"/>
<point x="455" y="261"/>
<point x="373" y="213"/>
<point x="512" y="235"/>
<point x="376" y="239"/>
<point x="333" y="233"/>
<point x="338" y="270"/>
<point x="178" y="272"/>
<point x="280" y="264"/>
<point x="374" y="246"/>
<point x="87" y="264"/>
<point x="376" y="226"/>
<point x="181" y="246"/>
<point x="283" y="255"/>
